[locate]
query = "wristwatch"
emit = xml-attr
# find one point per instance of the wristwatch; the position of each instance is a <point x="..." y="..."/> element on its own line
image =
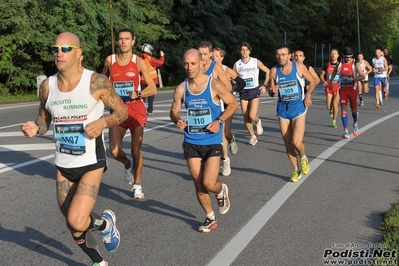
<point x="220" y="121"/>
<point x="38" y="129"/>
<point x="139" y="94"/>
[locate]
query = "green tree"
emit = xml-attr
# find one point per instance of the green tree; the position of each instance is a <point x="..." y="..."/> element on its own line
<point x="378" y="24"/>
<point x="29" y="28"/>
<point x="312" y="14"/>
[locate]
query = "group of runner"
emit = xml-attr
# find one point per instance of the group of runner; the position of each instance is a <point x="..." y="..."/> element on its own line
<point x="208" y="96"/>
<point x="335" y="88"/>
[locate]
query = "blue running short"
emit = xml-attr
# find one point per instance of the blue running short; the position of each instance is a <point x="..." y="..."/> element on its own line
<point x="290" y="110"/>
<point x="380" y="81"/>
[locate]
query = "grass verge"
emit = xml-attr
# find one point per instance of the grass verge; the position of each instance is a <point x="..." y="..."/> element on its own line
<point x="21" y="98"/>
<point x="390" y="239"/>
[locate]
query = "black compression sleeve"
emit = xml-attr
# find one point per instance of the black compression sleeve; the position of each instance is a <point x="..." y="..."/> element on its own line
<point x="240" y="84"/>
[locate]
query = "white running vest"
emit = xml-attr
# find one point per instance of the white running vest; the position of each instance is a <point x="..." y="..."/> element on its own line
<point x="362" y="65"/>
<point x="379" y="63"/>
<point x="71" y="112"/>
<point x="249" y="72"/>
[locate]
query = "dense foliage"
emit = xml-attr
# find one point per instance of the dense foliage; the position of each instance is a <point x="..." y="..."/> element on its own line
<point x="29" y="27"/>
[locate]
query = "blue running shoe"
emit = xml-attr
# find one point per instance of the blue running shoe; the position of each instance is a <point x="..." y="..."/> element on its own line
<point x="345" y="135"/>
<point x="111" y="238"/>
<point x="355" y="130"/>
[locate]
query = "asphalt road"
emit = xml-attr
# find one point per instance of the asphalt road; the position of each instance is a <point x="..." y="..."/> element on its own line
<point x="271" y="221"/>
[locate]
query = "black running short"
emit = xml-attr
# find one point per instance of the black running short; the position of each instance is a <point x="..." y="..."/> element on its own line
<point x="74" y="174"/>
<point x="201" y="151"/>
<point x="249" y="94"/>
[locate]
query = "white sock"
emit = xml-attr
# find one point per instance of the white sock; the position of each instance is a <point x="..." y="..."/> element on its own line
<point x="211" y="215"/>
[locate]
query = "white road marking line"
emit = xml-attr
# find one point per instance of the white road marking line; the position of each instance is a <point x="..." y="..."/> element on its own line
<point x="15" y="125"/>
<point x="28" y="147"/>
<point x="19" y="134"/>
<point x="46" y="146"/>
<point x="26" y="163"/>
<point x="19" y="106"/>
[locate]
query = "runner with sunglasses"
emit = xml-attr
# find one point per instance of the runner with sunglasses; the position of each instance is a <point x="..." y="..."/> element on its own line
<point x="73" y="99"/>
<point x="349" y="73"/>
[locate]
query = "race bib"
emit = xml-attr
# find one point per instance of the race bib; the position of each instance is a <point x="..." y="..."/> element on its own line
<point x="249" y="82"/>
<point x="198" y="119"/>
<point x="122" y="88"/>
<point x="336" y="78"/>
<point x="288" y="90"/>
<point x="71" y="138"/>
<point x="345" y="81"/>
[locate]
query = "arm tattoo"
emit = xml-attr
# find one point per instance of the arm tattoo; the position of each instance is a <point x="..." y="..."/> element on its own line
<point x="110" y="99"/>
<point x="40" y="121"/>
<point x="43" y="120"/>
<point x="87" y="190"/>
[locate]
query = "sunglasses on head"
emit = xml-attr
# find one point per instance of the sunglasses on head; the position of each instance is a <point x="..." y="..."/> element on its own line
<point x="64" y="48"/>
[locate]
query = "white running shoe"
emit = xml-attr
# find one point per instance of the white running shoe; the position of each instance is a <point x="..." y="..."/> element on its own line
<point x="253" y="140"/>
<point x="226" y="167"/>
<point x="138" y="192"/>
<point x="224" y="201"/>
<point x="128" y="172"/>
<point x="233" y="146"/>
<point x="103" y="263"/>
<point x="208" y="226"/>
<point x="259" y="128"/>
